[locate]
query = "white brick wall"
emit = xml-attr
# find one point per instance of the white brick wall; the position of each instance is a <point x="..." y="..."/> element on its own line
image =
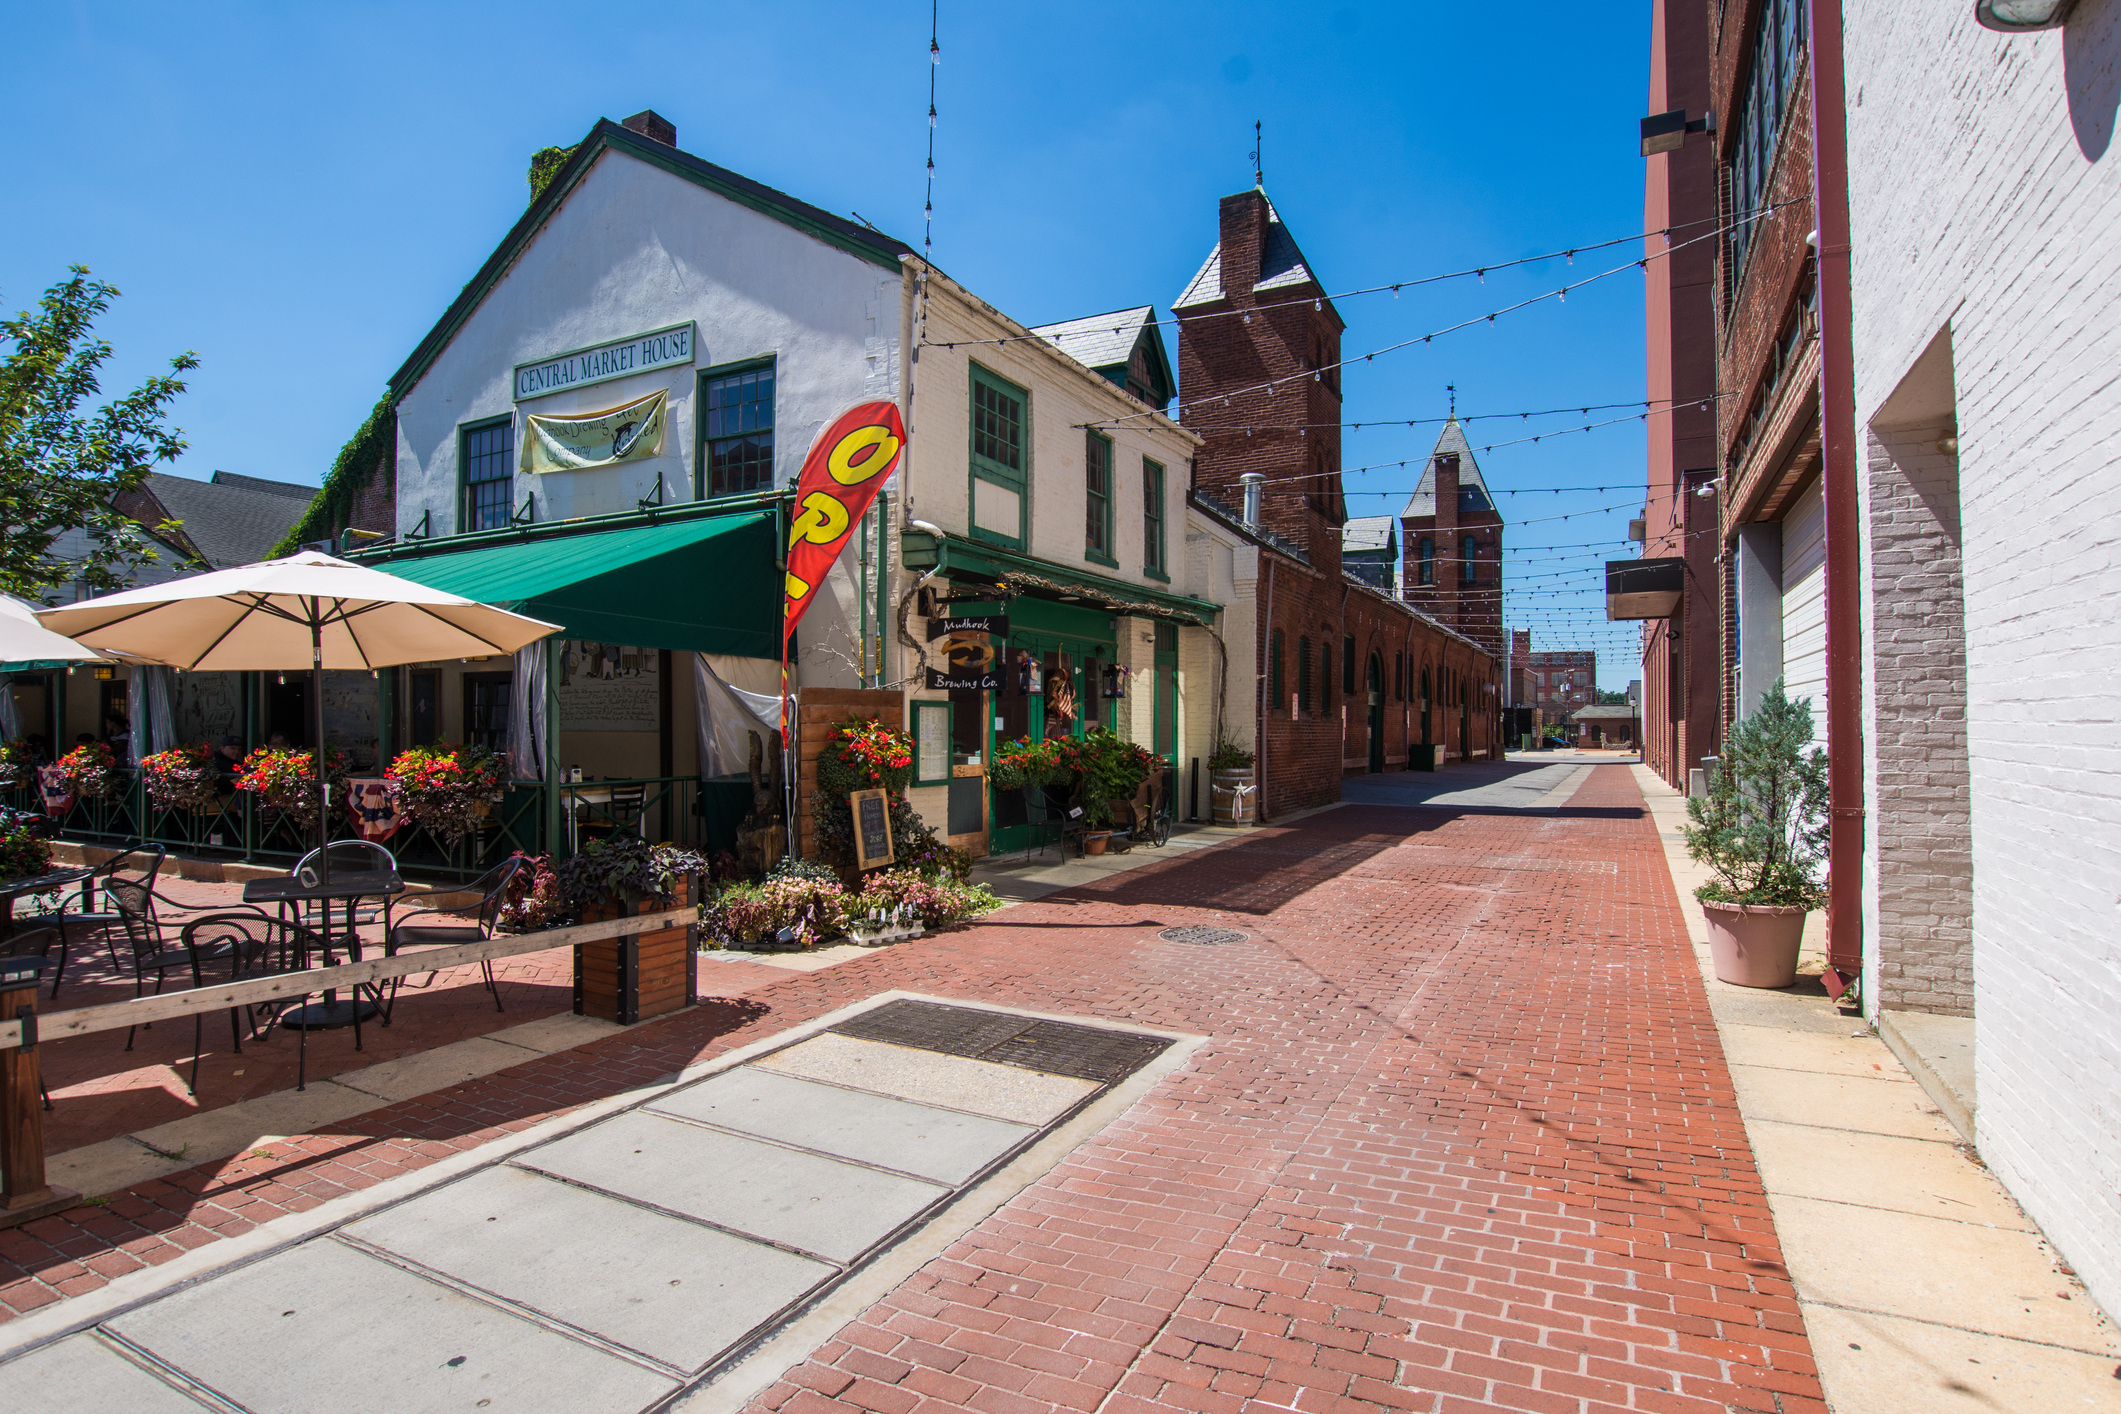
<point x="1984" y="200"/>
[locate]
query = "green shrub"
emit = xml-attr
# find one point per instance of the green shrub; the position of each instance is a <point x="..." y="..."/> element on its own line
<point x="1763" y="824"/>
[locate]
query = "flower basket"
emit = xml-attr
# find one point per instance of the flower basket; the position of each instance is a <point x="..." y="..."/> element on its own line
<point x="18" y="765"/>
<point x="286" y="781"/>
<point x="450" y="790"/>
<point x="24" y="855"/>
<point x="90" y="770"/>
<point x="181" y="778"/>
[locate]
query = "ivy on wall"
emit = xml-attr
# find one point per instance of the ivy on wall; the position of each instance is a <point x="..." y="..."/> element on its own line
<point x="545" y="164"/>
<point x="349" y="476"/>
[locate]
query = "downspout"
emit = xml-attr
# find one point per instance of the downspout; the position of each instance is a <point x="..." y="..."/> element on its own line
<point x="1837" y="415"/>
<point x="1266" y="640"/>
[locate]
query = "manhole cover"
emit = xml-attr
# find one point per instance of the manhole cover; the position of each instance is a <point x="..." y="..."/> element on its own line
<point x="1201" y="933"/>
<point x="1055" y="1047"/>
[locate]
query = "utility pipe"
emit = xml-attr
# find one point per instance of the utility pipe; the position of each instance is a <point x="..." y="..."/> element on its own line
<point x="1837" y="415"/>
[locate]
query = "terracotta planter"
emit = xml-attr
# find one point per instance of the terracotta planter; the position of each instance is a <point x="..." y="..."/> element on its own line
<point x="1094" y="842"/>
<point x="1755" y="945"/>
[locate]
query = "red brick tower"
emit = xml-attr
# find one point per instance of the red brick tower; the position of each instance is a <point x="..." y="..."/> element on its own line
<point x="1258" y="355"/>
<point x="1453" y="538"/>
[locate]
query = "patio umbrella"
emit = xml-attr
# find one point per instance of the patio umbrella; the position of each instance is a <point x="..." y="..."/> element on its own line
<point x="308" y="610"/>
<point x="24" y="641"/>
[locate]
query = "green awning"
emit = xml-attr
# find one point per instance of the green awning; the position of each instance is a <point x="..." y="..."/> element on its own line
<point x="706" y="584"/>
<point x="919" y="551"/>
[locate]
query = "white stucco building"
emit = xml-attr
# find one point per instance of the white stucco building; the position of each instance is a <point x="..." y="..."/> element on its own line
<point x="1986" y="215"/>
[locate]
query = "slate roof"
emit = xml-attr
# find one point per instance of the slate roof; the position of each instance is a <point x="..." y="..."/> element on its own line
<point x="1423" y="501"/>
<point x="1368" y="533"/>
<point x="1099" y="341"/>
<point x="231" y="520"/>
<point x="1607" y="712"/>
<point x="1281" y="265"/>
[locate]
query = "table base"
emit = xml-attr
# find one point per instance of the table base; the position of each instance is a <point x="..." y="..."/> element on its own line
<point x="324" y="1016"/>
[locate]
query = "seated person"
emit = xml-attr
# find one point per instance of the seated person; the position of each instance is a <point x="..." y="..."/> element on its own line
<point x="227" y="758"/>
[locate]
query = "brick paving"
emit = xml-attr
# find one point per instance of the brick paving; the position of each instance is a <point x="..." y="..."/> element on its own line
<point x="101" y="1090"/>
<point x="1462" y="1138"/>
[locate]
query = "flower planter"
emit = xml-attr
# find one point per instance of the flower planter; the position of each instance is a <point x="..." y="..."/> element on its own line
<point x="633" y="978"/>
<point x="1094" y="842"/>
<point x="1232" y="796"/>
<point x="1755" y="945"/>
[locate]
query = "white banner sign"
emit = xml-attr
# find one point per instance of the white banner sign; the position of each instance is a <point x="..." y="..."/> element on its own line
<point x="621" y="434"/>
<point x="660" y="348"/>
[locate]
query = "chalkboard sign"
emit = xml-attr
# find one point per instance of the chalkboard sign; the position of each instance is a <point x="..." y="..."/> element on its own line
<point x="872" y="829"/>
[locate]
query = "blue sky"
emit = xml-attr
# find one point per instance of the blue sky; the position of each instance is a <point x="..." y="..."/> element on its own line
<point x="298" y="191"/>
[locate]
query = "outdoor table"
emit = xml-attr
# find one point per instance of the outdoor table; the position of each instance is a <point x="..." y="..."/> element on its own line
<point x="27" y="884"/>
<point x="577" y="797"/>
<point x="348" y="886"/>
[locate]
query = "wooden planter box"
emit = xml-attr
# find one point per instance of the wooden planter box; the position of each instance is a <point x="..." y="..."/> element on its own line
<point x="632" y="979"/>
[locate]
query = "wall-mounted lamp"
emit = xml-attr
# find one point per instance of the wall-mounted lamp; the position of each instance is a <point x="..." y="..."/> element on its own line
<point x="1666" y="132"/>
<point x="2012" y="16"/>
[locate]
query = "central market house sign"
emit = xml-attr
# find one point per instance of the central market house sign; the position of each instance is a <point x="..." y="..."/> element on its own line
<point x="599" y="363"/>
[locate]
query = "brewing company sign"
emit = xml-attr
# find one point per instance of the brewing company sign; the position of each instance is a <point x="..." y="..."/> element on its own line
<point x="599" y="363"/>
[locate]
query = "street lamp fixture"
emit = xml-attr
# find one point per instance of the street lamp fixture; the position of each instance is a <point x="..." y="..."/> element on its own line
<point x="2012" y="16"/>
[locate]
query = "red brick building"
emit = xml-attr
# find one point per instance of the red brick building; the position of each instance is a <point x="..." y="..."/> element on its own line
<point x="1348" y="677"/>
<point x="1682" y="655"/>
<point x="1453" y="535"/>
<point x="1563" y="682"/>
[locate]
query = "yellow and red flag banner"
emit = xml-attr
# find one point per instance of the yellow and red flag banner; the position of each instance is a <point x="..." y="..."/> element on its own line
<point x="848" y="464"/>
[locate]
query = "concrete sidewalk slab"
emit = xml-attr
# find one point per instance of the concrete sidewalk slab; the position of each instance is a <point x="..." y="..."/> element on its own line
<point x="822" y="1206"/>
<point x="322" y="1326"/>
<point x="925" y="1077"/>
<point x="1913" y="1267"/>
<point x="87" y="1373"/>
<point x="919" y="1140"/>
<point x="674" y="1291"/>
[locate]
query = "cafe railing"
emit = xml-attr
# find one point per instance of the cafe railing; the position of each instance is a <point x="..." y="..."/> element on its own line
<point x="238" y="825"/>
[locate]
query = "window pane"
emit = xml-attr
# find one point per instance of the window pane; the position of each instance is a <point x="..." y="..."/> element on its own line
<point x="1097" y="482"/>
<point x="997" y="426"/>
<point x="739" y="432"/>
<point x="1152" y="515"/>
<point x="489" y="475"/>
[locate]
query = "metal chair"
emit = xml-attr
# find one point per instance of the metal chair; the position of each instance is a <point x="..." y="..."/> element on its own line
<point x="474" y="921"/>
<point x="145" y="859"/>
<point x="623" y="811"/>
<point x="141" y="920"/>
<point x="351" y="857"/>
<point x="259" y="946"/>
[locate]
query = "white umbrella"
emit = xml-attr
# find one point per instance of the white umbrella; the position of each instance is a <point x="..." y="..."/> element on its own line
<point x="308" y="610"/>
<point x="24" y="640"/>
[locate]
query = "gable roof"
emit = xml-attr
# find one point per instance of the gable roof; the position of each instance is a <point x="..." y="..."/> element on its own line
<point x="863" y="241"/>
<point x="1423" y="501"/>
<point x="230" y="520"/>
<point x="1106" y="343"/>
<point x="1281" y="265"/>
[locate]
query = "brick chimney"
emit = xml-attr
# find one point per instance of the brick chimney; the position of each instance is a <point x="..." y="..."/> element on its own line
<point x="1244" y="237"/>
<point x="1450" y="567"/>
<point x="653" y="126"/>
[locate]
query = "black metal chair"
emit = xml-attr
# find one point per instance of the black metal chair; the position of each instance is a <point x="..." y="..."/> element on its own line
<point x="258" y="945"/>
<point x="350" y="857"/>
<point x="145" y="860"/>
<point x="624" y="811"/>
<point x="141" y="920"/>
<point x="475" y="911"/>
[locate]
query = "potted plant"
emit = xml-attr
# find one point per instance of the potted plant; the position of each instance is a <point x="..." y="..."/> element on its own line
<point x="622" y="874"/>
<point x="1230" y="784"/>
<point x="17" y="765"/>
<point x="447" y="789"/>
<point x="1020" y="769"/>
<point x="287" y="781"/>
<point x="24" y="854"/>
<point x="1762" y="828"/>
<point x="1112" y="771"/>
<point x="180" y="778"/>
<point x="89" y="769"/>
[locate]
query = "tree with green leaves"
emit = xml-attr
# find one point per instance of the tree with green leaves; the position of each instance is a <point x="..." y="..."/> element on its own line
<point x="61" y="466"/>
<point x="1763" y="824"/>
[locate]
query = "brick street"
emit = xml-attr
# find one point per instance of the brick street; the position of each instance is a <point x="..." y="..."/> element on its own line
<point x="1462" y="1137"/>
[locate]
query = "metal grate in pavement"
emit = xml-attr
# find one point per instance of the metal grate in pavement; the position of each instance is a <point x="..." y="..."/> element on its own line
<point x="1054" y="1047"/>
<point x="1202" y="934"/>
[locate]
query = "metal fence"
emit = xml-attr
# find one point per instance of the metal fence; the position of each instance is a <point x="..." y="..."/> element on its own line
<point x="239" y="826"/>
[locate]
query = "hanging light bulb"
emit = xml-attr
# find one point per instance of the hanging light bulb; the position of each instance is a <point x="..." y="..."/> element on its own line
<point x="1395" y="292"/>
<point x="1248" y="316"/>
<point x="931" y="115"/>
<point x="283" y="679"/>
<point x="1315" y="304"/>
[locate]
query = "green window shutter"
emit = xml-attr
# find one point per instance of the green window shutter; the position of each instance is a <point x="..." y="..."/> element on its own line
<point x="1000" y="456"/>
<point x="1153" y="520"/>
<point x="1303" y="674"/>
<point x="1097" y="499"/>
